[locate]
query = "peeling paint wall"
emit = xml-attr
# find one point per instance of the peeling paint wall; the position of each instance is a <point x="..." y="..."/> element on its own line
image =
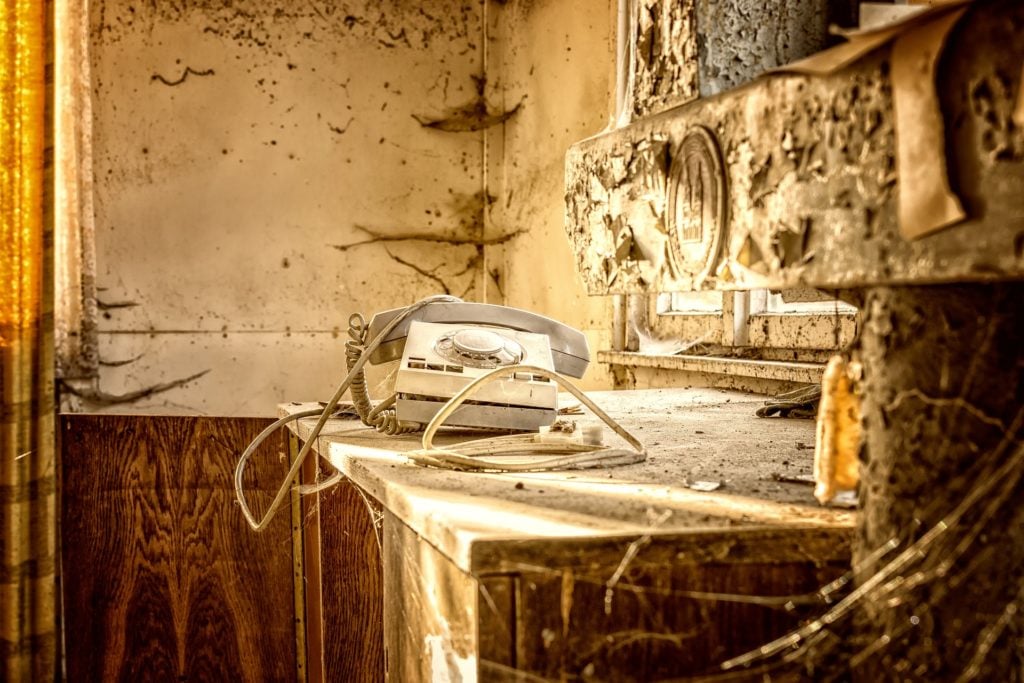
<point x="813" y="183"/>
<point x="556" y="58"/>
<point x="668" y="192"/>
<point x="682" y="49"/>
<point x="265" y="168"/>
<point x="664" y="55"/>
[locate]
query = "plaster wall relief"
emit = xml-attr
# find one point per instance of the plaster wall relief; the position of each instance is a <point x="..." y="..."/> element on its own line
<point x="987" y="111"/>
<point x="648" y="214"/>
<point x="651" y="214"/>
<point x="661" y="225"/>
<point x="697" y="209"/>
<point x="812" y="182"/>
<point x="264" y="169"/>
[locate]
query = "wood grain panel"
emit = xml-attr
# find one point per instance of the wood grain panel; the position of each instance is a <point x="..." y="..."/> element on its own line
<point x="352" y="588"/>
<point x="654" y="627"/>
<point x="163" y="580"/>
<point x="496" y="597"/>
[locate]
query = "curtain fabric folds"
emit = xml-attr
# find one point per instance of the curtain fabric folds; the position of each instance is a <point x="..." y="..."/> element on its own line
<point x="28" y="471"/>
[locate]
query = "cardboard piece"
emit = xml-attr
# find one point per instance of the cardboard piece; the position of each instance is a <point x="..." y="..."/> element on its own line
<point x="881" y="14"/>
<point x="838" y="430"/>
<point x="926" y="201"/>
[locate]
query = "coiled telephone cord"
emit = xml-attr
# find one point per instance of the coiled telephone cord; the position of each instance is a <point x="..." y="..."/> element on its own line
<point x="381" y="417"/>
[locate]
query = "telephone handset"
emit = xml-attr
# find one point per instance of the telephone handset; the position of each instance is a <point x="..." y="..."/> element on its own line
<point x="569" y="351"/>
<point x="445" y="346"/>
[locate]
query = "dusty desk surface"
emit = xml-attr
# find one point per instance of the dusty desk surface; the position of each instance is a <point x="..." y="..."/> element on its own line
<point x="692" y="435"/>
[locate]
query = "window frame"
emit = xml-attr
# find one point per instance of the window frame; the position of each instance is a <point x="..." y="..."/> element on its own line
<point x="746" y="321"/>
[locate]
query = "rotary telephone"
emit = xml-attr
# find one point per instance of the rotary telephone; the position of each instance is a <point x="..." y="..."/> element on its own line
<point x="444" y="346"/>
<point x="467" y="365"/>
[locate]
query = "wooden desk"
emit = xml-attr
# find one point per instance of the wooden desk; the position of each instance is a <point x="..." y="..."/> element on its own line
<point x="621" y="574"/>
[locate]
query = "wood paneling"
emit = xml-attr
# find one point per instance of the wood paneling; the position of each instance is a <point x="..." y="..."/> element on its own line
<point x="656" y="625"/>
<point x="352" y="588"/>
<point x="496" y="635"/>
<point x="163" y="580"/>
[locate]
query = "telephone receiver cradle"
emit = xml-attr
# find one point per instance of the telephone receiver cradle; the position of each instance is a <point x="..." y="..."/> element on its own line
<point x="445" y="346"/>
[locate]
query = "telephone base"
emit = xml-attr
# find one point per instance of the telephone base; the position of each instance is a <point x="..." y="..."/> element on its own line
<point x="511" y="418"/>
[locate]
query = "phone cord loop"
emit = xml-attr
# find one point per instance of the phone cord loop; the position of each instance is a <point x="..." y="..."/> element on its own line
<point x="382" y="417"/>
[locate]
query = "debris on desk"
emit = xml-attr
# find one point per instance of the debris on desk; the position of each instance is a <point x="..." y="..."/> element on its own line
<point x="342" y="409"/>
<point x="563" y="426"/>
<point x="801" y="403"/>
<point x="844" y="499"/>
<point x="794" y="478"/>
<point x="571" y="409"/>
<point x="704" y="486"/>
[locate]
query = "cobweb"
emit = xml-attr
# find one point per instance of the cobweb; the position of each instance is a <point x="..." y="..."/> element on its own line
<point x="909" y="580"/>
<point x="922" y="573"/>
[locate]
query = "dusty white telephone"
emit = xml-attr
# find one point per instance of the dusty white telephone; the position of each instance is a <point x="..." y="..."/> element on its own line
<point x="443" y="347"/>
<point x="462" y="364"/>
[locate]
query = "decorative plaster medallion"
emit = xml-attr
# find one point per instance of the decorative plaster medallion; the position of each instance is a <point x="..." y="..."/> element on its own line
<point x="697" y="209"/>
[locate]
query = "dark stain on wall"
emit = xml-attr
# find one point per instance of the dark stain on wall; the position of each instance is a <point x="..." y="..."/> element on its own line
<point x="189" y="71"/>
<point x="469" y="118"/>
<point x="294" y="97"/>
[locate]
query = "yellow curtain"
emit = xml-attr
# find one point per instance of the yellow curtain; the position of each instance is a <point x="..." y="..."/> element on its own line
<point x="28" y="472"/>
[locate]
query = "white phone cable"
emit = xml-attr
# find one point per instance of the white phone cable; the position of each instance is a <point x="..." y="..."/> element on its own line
<point x="466" y="456"/>
<point x="324" y="414"/>
<point x="574" y="454"/>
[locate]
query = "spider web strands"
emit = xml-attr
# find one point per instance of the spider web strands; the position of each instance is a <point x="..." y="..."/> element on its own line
<point x="786" y="602"/>
<point x="631" y="552"/>
<point x="905" y="584"/>
<point x="823" y="596"/>
<point x="875" y="647"/>
<point x="997" y="486"/>
<point x="989" y="637"/>
<point x="940" y="551"/>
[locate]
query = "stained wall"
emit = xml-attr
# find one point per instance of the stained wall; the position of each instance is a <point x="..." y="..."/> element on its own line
<point x="556" y="60"/>
<point x="262" y="170"/>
